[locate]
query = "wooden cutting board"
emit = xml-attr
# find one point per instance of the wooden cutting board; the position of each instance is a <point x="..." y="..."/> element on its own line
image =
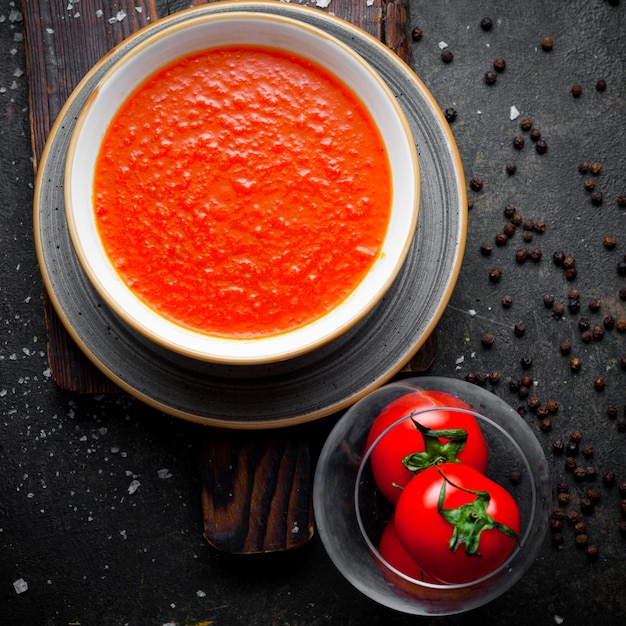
<point x="256" y="487"/>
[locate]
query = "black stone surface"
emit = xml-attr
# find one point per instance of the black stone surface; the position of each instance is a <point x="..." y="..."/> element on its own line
<point x="91" y="552"/>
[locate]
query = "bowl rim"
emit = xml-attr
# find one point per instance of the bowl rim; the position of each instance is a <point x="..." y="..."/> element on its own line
<point x="202" y="346"/>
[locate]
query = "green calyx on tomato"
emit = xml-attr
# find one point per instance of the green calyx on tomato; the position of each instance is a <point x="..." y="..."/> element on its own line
<point x="470" y="520"/>
<point x="436" y="451"/>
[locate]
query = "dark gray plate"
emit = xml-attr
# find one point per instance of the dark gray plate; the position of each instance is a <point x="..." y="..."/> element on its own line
<point x="309" y="386"/>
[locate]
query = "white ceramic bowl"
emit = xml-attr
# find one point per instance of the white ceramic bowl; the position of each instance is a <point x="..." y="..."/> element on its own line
<point x="196" y="34"/>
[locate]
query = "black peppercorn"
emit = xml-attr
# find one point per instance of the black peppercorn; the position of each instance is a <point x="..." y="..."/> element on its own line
<point x="586" y="505"/>
<point x="583" y="167"/>
<point x="599" y="383"/>
<point x="416" y="34"/>
<point x="592" y="553"/>
<point x="486" y="23"/>
<point x="547" y="43"/>
<point x="557" y="311"/>
<point x="526" y="123"/>
<point x="527" y="235"/>
<point x="569" y="262"/>
<point x="516" y="219"/>
<point x="583" y="324"/>
<point x="507" y="302"/>
<point x="541" y="147"/>
<point x="501" y="238"/>
<point x="494" y="377"/>
<point x="596" y="198"/>
<point x="595" y="304"/>
<point x="486" y="248"/>
<point x="558" y="446"/>
<point x="546" y="424"/>
<point x="573" y="517"/>
<point x="571" y="273"/>
<point x="611" y="411"/>
<point x="487" y="340"/>
<point x="586" y="336"/>
<point x="519" y="329"/>
<point x="447" y="56"/>
<point x="510" y="168"/>
<point x="552" y="406"/>
<point x="450" y="114"/>
<point x="590" y="184"/>
<point x="577" y="90"/>
<point x="587" y="451"/>
<point x="597" y="332"/>
<point x="609" y="322"/>
<point x="509" y="211"/>
<point x="476" y="183"/>
<point x="499" y="64"/>
<point x="518" y="142"/>
<point x="558" y="257"/>
<point x="548" y="300"/>
<point x="521" y="255"/>
<point x="608" y="478"/>
<point x="495" y="275"/>
<point x="509" y="229"/>
<point x="600" y="84"/>
<point x="535" y="134"/>
<point x="536" y="254"/>
<point x="575" y="364"/>
<point x="573" y="305"/>
<point x="620" y="326"/>
<point x="609" y="242"/>
<point x="491" y="77"/>
<point x="595" y="168"/>
<point x="540" y="226"/>
<point x="526" y="361"/>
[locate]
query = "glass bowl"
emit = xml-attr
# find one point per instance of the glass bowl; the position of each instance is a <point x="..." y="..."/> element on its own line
<point x="351" y="512"/>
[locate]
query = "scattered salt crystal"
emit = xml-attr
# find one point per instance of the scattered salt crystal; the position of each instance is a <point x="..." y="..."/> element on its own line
<point x="123" y="533"/>
<point x="99" y="13"/>
<point x="134" y="485"/>
<point x="201" y="594"/>
<point x="295" y="530"/>
<point x="164" y="473"/>
<point x="443" y="45"/>
<point x="139" y="9"/>
<point x="558" y="619"/>
<point x="472" y="313"/>
<point x="460" y="360"/>
<point x="322" y="4"/>
<point x="370" y="3"/>
<point x="20" y="585"/>
<point x="514" y="113"/>
<point x="50" y="31"/>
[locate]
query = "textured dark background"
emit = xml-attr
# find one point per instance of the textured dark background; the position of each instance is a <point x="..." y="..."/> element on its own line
<point x="91" y="553"/>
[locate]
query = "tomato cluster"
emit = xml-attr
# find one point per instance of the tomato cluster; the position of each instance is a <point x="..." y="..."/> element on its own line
<point x="451" y="523"/>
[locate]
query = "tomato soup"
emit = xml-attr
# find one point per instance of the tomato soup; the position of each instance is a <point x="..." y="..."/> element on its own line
<point x="242" y="192"/>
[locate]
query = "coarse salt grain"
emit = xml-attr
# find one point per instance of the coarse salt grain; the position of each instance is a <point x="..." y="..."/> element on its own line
<point x="20" y="585"/>
<point x="514" y="114"/>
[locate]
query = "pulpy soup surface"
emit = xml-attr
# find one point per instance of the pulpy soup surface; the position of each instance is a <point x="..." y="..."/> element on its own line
<point x="242" y="192"/>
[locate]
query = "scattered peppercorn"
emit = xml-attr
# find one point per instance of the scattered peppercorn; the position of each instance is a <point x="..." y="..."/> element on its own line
<point x="548" y="300"/>
<point x="540" y="226"/>
<point x="416" y="34"/>
<point x="558" y="257"/>
<point x="486" y="23"/>
<point x="447" y="56"/>
<point x="557" y="539"/>
<point x="557" y="311"/>
<point x="515" y="477"/>
<point x="580" y="528"/>
<point x="611" y="411"/>
<point x="476" y="183"/>
<point x="509" y="229"/>
<point x="547" y="43"/>
<point x="546" y="424"/>
<point x="501" y="239"/>
<point x="597" y="198"/>
<point x="521" y="255"/>
<point x="570" y="463"/>
<point x="495" y="275"/>
<point x="527" y="235"/>
<point x="620" y="326"/>
<point x="516" y="219"/>
<point x="595" y="168"/>
<point x="450" y="114"/>
<point x="499" y="64"/>
<point x="507" y="302"/>
<point x="593" y="494"/>
<point x="526" y="123"/>
<point x="590" y="184"/>
<point x="541" y="147"/>
<point x="600" y="85"/>
<point x="592" y="553"/>
<point x="558" y="446"/>
<point x="586" y="336"/>
<point x="609" y="242"/>
<point x="581" y="540"/>
<point x="491" y="77"/>
<point x="510" y="168"/>
<point x="583" y="167"/>
<point x="587" y="451"/>
<point x="552" y="406"/>
<point x="518" y="142"/>
<point x="621" y="200"/>
<point x="565" y="347"/>
<point x="509" y="211"/>
<point x="487" y="340"/>
<point x="573" y="517"/>
<point x="594" y="304"/>
<point x="597" y="332"/>
<point x="535" y="134"/>
<point x="577" y="90"/>
<point x="599" y="383"/>
<point x="494" y="377"/>
<point x="575" y="364"/>
<point x="526" y="361"/>
<point x="621" y="268"/>
<point x="586" y="505"/>
<point x="608" y="478"/>
<point x="583" y="323"/>
<point x="519" y="329"/>
<point x="486" y="248"/>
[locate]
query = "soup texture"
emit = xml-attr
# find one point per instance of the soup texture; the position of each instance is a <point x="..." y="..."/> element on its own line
<point x="242" y="192"/>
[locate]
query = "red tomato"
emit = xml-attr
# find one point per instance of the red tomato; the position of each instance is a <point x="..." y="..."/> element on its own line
<point x="429" y="522"/>
<point x="394" y="553"/>
<point x="389" y="471"/>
